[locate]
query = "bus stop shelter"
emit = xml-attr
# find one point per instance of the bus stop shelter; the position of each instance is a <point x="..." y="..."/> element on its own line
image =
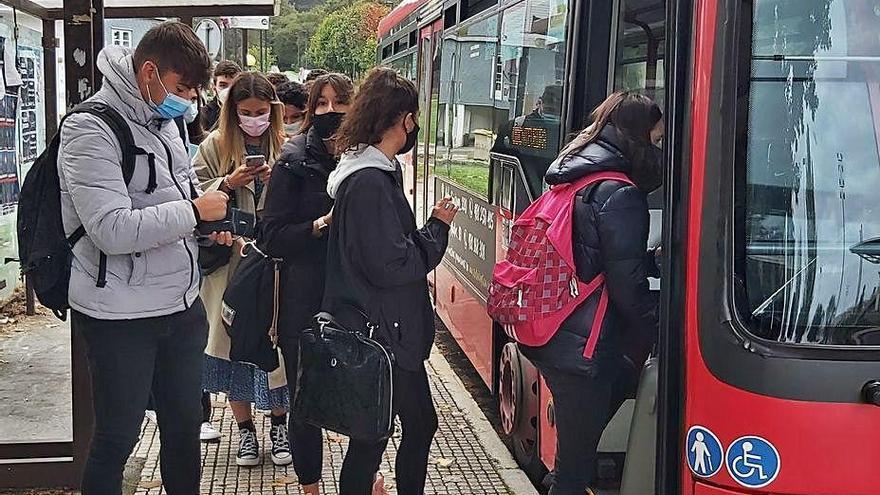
<point x="28" y="463"/>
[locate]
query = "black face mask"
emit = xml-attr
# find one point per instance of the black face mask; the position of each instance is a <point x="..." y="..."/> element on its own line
<point x="647" y="169"/>
<point x="411" y="138"/>
<point x="327" y="124"/>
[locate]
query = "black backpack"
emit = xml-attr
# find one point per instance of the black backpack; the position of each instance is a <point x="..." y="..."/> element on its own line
<point x="45" y="252"/>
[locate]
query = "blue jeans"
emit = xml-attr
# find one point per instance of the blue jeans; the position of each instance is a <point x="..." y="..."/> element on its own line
<point x="129" y="360"/>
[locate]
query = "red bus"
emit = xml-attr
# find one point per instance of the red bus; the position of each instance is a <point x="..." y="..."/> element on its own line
<point x="766" y="378"/>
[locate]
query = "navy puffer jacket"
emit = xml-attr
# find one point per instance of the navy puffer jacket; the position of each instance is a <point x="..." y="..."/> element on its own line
<point x="610" y="236"/>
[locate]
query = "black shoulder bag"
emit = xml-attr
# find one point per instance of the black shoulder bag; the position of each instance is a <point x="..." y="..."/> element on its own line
<point x="345" y="380"/>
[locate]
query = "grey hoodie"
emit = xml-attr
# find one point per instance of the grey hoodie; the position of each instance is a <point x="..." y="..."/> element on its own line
<point x="364" y="156"/>
<point x="152" y="264"/>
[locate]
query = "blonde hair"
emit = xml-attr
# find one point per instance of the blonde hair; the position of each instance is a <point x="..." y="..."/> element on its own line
<point x="232" y="148"/>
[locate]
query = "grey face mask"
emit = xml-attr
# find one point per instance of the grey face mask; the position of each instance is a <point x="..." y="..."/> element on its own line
<point x="292" y="129"/>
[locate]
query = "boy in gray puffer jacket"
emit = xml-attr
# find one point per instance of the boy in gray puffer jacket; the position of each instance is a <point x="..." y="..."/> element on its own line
<point x="145" y="327"/>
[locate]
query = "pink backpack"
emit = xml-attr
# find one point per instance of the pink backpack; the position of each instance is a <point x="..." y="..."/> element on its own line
<point x="536" y="287"/>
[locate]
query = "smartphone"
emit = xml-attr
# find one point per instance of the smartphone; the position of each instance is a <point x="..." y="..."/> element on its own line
<point x="255" y="161"/>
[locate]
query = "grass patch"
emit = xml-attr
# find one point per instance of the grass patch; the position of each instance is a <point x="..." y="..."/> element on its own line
<point x="470" y="175"/>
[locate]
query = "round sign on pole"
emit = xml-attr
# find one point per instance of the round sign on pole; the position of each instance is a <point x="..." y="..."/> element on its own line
<point x="211" y="35"/>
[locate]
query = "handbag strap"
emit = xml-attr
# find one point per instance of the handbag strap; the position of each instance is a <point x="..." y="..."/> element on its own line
<point x="276" y="303"/>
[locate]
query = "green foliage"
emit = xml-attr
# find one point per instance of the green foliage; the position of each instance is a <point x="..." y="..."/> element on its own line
<point x="289" y="35"/>
<point x="345" y="41"/>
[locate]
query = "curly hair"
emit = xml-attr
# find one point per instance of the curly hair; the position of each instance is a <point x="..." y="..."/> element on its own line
<point x="384" y="97"/>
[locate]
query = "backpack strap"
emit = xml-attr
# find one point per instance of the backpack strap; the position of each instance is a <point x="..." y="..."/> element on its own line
<point x="122" y="131"/>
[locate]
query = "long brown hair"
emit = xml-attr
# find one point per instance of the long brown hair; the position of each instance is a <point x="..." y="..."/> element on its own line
<point x="633" y="114"/>
<point x="232" y="149"/>
<point x="384" y="97"/>
<point x="339" y="82"/>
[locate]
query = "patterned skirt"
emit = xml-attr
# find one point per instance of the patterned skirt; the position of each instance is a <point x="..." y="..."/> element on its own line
<point x="242" y="382"/>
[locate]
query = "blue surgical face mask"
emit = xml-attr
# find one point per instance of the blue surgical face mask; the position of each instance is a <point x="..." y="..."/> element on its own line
<point x="172" y="106"/>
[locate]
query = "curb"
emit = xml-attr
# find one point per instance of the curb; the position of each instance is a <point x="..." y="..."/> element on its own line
<point x="512" y="476"/>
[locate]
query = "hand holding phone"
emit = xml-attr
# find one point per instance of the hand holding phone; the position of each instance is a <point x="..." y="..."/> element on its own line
<point x="258" y="167"/>
<point x="254" y="161"/>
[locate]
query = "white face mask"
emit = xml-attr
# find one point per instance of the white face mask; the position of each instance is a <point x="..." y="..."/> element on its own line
<point x="191" y="113"/>
<point x="222" y="95"/>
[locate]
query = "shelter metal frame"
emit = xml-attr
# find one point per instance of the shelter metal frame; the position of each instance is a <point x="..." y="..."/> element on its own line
<point x="32" y="464"/>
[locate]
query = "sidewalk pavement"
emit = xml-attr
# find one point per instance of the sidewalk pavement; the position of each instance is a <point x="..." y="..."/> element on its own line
<point x="467" y="457"/>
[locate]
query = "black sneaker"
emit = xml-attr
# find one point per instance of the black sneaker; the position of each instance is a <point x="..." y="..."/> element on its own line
<point x="280" y="445"/>
<point x="248" y="448"/>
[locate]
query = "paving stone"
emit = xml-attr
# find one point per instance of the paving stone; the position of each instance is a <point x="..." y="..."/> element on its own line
<point x="459" y="463"/>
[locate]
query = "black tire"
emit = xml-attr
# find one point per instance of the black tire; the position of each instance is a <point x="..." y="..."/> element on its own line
<point x="518" y="409"/>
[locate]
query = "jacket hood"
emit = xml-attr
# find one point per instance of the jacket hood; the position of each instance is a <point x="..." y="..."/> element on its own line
<point x="115" y="63"/>
<point x="352" y="161"/>
<point x="603" y="155"/>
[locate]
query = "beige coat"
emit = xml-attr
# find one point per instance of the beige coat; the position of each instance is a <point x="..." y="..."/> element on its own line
<point x="210" y="171"/>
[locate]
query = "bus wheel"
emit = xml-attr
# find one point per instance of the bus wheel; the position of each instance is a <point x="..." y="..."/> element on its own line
<point x="518" y="407"/>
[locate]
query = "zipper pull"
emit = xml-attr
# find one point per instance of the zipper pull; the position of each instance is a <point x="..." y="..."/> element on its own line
<point x="519" y="298"/>
<point x="573" y="287"/>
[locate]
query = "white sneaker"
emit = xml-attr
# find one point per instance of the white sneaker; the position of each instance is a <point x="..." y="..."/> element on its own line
<point x="248" y="448"/>
<point x="280" y="445"/>
<point x="209" y="434"/>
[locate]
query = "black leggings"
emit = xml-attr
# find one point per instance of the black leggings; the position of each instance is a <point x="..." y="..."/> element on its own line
<point x="129" y="360"/>
<point x="306" y="441"/>
<point x="583" y="406"/>
<point x="413" y="404"/>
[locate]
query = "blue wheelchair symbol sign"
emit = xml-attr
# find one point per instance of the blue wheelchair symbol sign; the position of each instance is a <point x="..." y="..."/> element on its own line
<point x="705" y="455"/>
<point x="753" y="462"/>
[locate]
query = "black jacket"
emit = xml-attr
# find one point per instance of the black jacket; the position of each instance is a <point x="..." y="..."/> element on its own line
<point x="296" y="197"/>
<point x="209" y="114"/>
<point x="610" y="236"/>
<point x="378" y="262"/>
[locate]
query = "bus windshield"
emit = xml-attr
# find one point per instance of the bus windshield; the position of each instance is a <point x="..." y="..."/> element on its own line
<point x="808" y="173"/>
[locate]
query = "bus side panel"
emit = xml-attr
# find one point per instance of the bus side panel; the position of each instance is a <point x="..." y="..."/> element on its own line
<point x="466" y="319"/>
<point x="824" y="448"/>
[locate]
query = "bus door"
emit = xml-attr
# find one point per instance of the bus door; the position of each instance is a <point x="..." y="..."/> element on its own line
<point x="636" y="53"/>
<point x="530" y="79"/>
<point x="637" y="64"/>
<point x="429" y="84"/>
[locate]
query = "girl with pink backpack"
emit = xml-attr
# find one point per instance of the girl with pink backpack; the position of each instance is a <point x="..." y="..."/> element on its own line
<point x="573" y="290"/>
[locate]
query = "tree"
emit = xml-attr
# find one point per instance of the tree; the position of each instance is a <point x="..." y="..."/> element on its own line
<point x="345" y="41"/>
<point x="289" y="35"/>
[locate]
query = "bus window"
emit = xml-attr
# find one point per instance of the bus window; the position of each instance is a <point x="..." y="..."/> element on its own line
<point x="638" y="56"/>
<point x="465" y="112"/>
<point x="528" y="97"/>
<point x="808" y="172"/>
<point x="406" y="66"/>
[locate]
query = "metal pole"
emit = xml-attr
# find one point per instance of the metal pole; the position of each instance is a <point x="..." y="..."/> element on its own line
<point x="83" y="38"/>
<point x="50" y="45"/>
<point x="244" y="49"/>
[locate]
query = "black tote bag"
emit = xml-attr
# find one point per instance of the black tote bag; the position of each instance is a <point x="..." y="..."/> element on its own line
<point x="250" y="309"/>
<point x="345" y="381"/>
